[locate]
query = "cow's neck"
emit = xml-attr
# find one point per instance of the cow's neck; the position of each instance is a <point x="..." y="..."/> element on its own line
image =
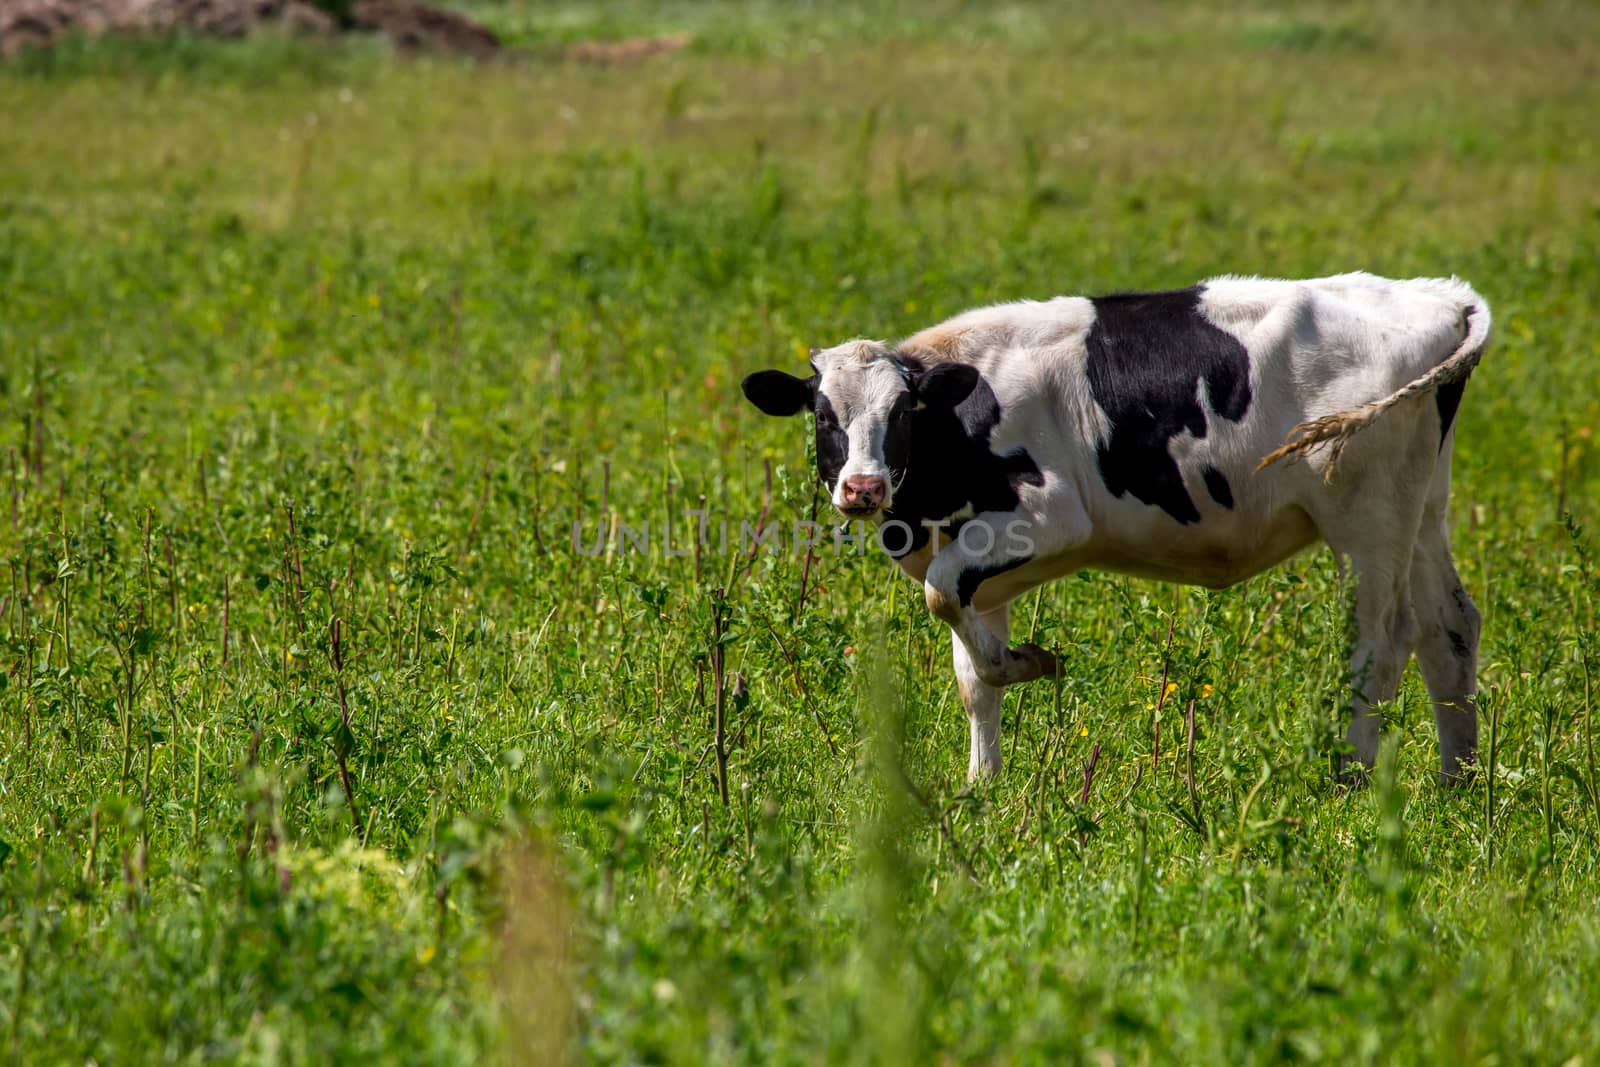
<point x="953" y="474"/>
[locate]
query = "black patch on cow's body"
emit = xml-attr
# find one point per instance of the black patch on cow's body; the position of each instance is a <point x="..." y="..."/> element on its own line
<point x="833" y="444"/>
<point x="1147" y="355"/>
<point x="1448" y="399"/>
<point x="1458" y="644"/>
<point x="896" y="540"/>
<point x="951" y="467"/>
<point x="972" y="577"/>
<point x="1218" y="487"/>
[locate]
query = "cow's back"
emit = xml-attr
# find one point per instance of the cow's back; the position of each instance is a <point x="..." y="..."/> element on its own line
<point x="1329" y="344"/>
<point x="1155" y="409"/>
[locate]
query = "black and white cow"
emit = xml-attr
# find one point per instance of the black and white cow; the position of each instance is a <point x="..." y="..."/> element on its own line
<point x="1138" y="433"/>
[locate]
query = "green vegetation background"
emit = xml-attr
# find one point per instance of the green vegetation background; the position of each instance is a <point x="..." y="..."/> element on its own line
<point x="296" y="334"/>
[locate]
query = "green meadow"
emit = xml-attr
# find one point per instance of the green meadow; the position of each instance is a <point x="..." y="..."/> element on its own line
<point x="326" y="735"/>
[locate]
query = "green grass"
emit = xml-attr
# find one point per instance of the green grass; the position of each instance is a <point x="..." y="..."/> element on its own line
<point x="295" y="334"/>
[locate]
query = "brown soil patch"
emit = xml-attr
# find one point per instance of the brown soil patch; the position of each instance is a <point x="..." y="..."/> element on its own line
<point x="412" y="27"/>
<point x="415" y="27"/>
<point x="627" y="50"/>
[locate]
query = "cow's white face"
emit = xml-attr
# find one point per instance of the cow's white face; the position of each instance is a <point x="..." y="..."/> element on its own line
<point x="866" y="399"/>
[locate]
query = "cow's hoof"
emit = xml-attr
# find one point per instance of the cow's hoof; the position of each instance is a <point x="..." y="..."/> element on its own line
<point x="1016" y="665"/>
<point x="1462" y="775"/>
<point x="1352" y="775"/>
<point x="1040" y="661"/>
<point x="979" y="775"/>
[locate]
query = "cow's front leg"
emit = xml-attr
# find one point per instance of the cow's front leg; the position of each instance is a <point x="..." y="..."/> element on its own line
<point x="951" y="584"/>
<point x="981" y="700"/>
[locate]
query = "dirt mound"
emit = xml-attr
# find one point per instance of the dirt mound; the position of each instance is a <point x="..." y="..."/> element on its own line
<point x="417" y="27"/>
<point x="411" y="26"/>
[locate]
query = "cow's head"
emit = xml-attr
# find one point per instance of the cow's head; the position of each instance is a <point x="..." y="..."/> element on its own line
<point x="865" y="398"/>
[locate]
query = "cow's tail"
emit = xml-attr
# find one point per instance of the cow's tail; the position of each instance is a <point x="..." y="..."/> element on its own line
<point x="1335" y="431"/>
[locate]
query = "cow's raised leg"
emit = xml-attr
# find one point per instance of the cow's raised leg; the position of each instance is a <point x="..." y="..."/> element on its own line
<point x="1447" y="637"/>
<point x="981" y="699"/>
<point x="989" y="545"/>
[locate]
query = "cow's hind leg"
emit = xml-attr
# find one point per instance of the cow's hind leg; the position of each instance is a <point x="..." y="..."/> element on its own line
<point x="981" y="700"/>
<point x="1375" y="525"/>
<point x="1385" y="629"/>
<point x="1447" y="638"/>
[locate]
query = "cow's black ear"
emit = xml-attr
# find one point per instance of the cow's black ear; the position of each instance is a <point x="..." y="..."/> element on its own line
<point x="946" y="385"/>
<point x="777" y="393"/>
